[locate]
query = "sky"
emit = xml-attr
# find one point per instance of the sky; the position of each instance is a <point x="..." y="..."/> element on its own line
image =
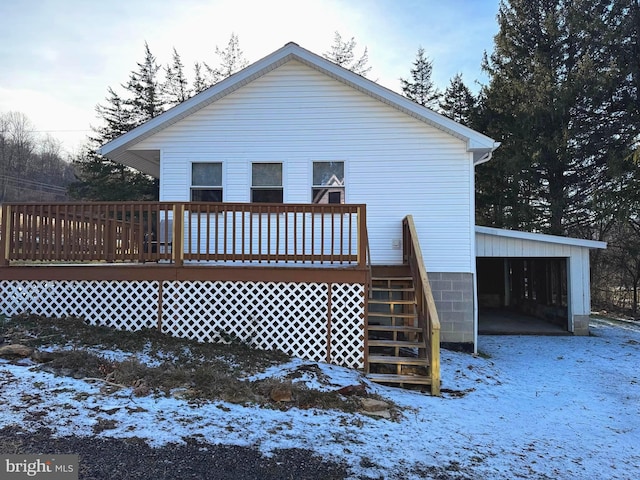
<point x="533" y="407"/>
<point x="58" y="57"/>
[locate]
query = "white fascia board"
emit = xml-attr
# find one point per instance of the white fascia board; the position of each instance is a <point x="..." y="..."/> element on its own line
<point x="476" y="141"/>
<point x="540" y="237"/>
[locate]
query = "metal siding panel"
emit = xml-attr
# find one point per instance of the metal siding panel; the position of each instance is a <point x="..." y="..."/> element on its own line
<point x="579" y="281"/>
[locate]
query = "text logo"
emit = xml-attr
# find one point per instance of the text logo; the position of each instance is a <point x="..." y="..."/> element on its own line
<point x="49" y="467"/>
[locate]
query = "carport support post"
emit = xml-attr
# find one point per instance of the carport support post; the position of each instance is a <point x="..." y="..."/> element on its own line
<point x="507" y="288"/>
<point x="570" y="295"/>
<point x="578" y="291"/>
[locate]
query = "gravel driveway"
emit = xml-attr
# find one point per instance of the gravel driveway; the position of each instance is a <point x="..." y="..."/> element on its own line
<point x="108" y="459"/>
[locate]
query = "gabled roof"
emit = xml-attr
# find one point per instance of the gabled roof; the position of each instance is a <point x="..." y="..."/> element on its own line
<point x="540" y="237"/>
<point x="148" y="161"/>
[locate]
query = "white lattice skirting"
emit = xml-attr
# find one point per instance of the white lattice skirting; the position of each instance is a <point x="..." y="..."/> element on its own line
<point x="316" y="321"/>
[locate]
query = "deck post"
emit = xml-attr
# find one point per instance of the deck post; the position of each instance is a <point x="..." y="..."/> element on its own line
<point x="177" y="250"/>
<point x="434" y="361"/>
<point x="362" y="236"/>
<point x="5" y="236"/>
<point x="110" y="239"/>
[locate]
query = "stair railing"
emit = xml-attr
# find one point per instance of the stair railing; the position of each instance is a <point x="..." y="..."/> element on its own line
<point x="369" y="267"/>
<point x="427" y="314"/>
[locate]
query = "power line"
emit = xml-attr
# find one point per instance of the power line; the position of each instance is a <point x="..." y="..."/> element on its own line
<point x="57" y="131"/>
<point x="33" y="184"/>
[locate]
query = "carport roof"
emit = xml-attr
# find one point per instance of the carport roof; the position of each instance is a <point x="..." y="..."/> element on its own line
<point x="540" y="237"/>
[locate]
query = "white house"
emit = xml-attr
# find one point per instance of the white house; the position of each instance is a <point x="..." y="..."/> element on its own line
<point x="279" y="129"/>
<point x="251" y="155"/>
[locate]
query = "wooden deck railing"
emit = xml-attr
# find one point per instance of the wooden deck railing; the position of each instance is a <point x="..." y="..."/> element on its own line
<point x="178" y="232"/>
<point x="427" y="314"/>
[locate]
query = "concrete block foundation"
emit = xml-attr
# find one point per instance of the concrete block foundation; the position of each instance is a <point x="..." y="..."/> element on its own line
<point x="453" y="294"/>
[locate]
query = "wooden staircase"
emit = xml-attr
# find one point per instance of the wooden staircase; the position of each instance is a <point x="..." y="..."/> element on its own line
<point x="397" y="348"/>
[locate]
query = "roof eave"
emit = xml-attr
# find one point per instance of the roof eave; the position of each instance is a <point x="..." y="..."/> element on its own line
<point x="540" y="237"/>
<point x="475" y="141"/>
<point x="202" y="99"/>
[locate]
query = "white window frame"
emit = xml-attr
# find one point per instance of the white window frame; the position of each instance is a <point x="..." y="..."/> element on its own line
<point x="342" y="188"/>
<point x="193" y="187"/>
<point x="253" y="188"/>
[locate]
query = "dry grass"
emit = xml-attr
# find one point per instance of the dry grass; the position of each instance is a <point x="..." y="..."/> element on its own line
<point x="194" y="371"/>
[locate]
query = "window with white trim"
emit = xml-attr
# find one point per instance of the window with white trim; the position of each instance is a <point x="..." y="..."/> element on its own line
<point x="266" y="183"/>
<point x="328" y="182"/>
<point x="206" y="182"/>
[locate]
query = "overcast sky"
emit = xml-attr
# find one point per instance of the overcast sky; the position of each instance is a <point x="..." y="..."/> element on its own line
<point x="57" y="57"/>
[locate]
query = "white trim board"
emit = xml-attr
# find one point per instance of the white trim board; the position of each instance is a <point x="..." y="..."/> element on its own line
<point x="540" y="237"/>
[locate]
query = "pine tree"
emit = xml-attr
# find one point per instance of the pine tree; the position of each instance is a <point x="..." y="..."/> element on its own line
<point x="457" y="102"/>
<point x="101" y="179"/>
<point x="231" y="60"/>
<point x="343" y="54"/>
<point x="117" y="118"/>
<point x="145" y="97"/>
<point x="199" y="83"/>
<point x="551" y="100"/>
<point x="175" y="88"/>
<point x="420" y="88"/>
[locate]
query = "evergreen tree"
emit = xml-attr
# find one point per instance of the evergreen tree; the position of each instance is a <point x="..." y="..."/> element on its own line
<point x="117" y="117"/>
<point x="457" y="102"/>
<point x="199" y="83"/>
<point x="101" y="179"/>
<point x="231" y="60"/>
<point x="420" y="88"/>
<point x="551" y="101"/>
<point x="624" y="48"/>
<point x="343" y="54"/>
<point x="145" y="97"/>
<point x="175" y="88"/>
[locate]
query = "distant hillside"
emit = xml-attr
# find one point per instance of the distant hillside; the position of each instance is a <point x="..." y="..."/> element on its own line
<point x="32" y="167"/>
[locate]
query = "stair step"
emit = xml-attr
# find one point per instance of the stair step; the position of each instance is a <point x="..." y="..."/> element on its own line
<point x="392" y="279"/>
<point x="391" y="378"/>
<point x="393" y="328"/>
<point x="392" y="290"/>
<point x="396" y="343"/>
<point x="391" y="314"/>
<point x="376" y="301"/>
<point x="398" y="360"/>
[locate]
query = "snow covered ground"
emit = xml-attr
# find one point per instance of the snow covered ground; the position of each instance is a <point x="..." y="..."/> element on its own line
<point x="529" y="407"/>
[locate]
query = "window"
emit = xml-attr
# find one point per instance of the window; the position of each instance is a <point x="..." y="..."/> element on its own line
<point x="328" y="182"/>
<point x="206" y="182"/>
<point x="266" y="183"/>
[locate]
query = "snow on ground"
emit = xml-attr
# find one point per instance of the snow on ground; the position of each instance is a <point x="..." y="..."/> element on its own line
<point x="528" y="407"/>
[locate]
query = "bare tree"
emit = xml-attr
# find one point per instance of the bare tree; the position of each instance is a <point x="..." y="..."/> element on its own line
<point x="16" y="147"/>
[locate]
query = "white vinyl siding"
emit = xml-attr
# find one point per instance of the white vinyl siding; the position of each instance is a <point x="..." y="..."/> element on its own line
<point x="394" y="163"/>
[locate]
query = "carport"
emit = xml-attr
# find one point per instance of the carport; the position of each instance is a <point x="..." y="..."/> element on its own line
<point x="531" y="282"/>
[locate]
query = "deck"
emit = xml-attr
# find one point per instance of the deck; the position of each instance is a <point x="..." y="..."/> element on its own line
<point x="293" y="277"/>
